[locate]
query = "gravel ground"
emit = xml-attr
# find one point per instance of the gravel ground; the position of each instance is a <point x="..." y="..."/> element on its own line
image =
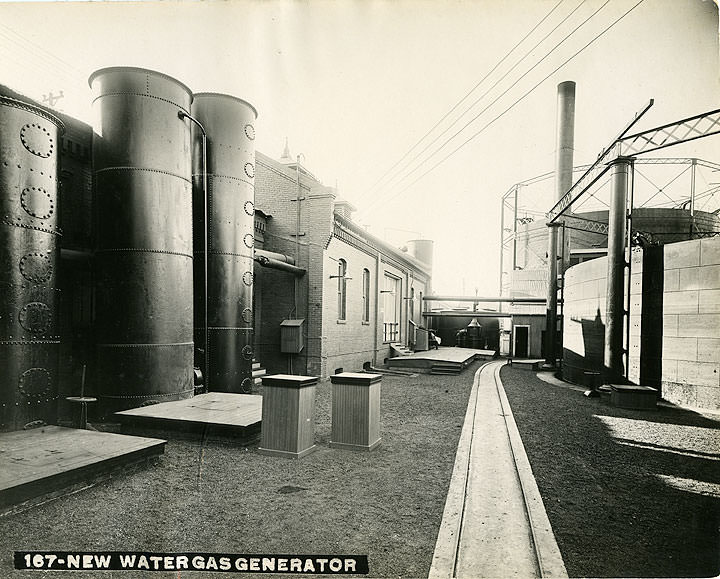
<point x="628" y="493"/>
<point x="218" y="497"/>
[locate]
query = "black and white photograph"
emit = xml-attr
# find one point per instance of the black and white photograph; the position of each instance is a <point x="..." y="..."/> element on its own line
<point x="377" y="288"/>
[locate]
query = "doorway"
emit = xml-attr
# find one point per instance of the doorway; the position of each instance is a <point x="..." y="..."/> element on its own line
<point x="522" y="341"/>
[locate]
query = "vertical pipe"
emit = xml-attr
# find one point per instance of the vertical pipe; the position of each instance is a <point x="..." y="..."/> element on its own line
<point x="502" y="245"/>
<point x="692" y="187"/>
<point x="515" y="218"/>
<point x="204" y="199"/>
<point x="614" y="308"/>
<point x="628" y="288"/>
<point x="565" y="139"/>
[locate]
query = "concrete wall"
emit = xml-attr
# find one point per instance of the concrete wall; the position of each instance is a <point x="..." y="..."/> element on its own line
<point x="535" y="335"/>
<point x="674" y="321"/>
<point x="584" y="319"/>
<point x="691" y="323"/>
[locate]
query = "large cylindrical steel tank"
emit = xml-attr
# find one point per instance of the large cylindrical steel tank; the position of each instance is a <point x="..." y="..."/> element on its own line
<point x="422" y="249"/>
<point x="144" y="263"/>
<point x="29" y="247"/>
<point x="230" y="176"/>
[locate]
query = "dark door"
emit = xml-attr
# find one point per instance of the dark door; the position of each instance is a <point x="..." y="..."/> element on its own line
<point x="521" y="341"/>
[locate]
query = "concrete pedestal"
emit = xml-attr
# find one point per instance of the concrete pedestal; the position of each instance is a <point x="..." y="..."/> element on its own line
<point x="633" y="397"/>
<point x="355" y="411"/>
<point x="288" y="416"/>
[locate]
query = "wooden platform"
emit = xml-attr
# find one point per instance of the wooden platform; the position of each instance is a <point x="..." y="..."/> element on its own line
<point x="444" y="360"/>
<point x="236" y="416"/>
<point x="46" y="460"/>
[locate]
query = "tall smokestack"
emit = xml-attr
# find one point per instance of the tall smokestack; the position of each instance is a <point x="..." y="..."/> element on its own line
<point x="563" y="181"/>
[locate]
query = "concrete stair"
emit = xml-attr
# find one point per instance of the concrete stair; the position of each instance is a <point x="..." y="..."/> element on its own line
<point x="257" y="373"/>
<point x="400" y="350"/>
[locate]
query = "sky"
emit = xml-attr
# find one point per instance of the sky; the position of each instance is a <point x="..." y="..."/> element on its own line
<point x="354" y="86"/>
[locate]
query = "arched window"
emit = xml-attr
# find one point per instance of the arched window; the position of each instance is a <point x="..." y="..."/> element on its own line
<point x="342" y="287"/>
<point x="366" y="295"/>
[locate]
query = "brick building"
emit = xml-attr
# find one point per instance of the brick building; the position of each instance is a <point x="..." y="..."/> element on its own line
<point x="359" y="293"/>
<point x="347" y="321"/>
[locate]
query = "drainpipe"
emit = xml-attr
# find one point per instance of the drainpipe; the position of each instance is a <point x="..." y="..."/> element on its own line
<point x="183" y="115"/>
<point x="377" y="304"/>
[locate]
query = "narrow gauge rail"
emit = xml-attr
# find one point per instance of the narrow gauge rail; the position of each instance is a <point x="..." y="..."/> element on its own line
<point x="494" y="523"/>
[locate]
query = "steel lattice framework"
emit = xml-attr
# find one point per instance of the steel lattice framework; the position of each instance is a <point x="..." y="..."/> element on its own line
<point x="512" y="201"/>
<point x="689" y="129"/>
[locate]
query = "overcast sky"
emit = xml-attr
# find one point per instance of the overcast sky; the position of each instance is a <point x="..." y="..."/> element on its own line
<point x="354" y="85"/>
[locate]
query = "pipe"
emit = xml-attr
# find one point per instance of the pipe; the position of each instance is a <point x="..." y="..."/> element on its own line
<point x="466" y="314"/>
<point x="280" y="265"/>
<point x="483" y="299"/>
<point x="276" y="256"/>
<point x="183" y="115"/>
<point x="614" y="305"/>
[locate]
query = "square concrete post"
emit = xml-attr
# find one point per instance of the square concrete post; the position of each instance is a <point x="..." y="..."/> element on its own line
<point x="288" y="416"/>
<point x="355" y="411"/>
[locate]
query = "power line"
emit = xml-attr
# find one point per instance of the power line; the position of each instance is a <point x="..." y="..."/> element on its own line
<point x="39" y="52"/>
<point x="475" y="135"/>
<point x="467" y="95"/>
<point x="472" y="120"/>
<point x="497" y="82"/>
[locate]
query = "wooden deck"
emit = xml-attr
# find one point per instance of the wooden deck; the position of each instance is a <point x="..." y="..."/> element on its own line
<point x="44" y="461"/>
<point x="444" y="360"/>
<point x="236" y="416"/>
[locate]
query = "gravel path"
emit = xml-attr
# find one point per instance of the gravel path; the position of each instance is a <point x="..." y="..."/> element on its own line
<point x="628" y="493"/>
<point x="216" y="497"/>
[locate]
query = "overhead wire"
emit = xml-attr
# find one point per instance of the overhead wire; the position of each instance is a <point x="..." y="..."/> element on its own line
<point x="520" y="99"/>
<point x="497" y="82"/>
<point x="467" y="95"/>
<point x="38" y="51"/>
<point x="473" y="119"/>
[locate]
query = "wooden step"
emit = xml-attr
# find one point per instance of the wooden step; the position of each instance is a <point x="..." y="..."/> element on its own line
<point x="446" y="369"/>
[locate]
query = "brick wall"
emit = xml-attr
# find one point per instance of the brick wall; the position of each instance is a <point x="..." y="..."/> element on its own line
<point x="276" y="188"/>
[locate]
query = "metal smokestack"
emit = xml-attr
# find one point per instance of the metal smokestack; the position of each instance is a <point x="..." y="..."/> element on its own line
<point x="565" y="141"/>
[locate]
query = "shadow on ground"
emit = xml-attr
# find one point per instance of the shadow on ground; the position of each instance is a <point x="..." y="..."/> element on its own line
<point x="628" y="493"/>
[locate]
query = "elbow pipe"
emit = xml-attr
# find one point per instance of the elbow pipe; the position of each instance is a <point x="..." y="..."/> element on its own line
<point x="277" y="256"/>
<point x="279" y="265"/>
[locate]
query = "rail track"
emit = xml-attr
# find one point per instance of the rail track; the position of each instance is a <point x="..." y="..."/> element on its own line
<point x="494" y="523"/>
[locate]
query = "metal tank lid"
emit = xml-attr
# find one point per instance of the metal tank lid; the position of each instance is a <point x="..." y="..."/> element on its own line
<point x="227" y="96"/>
<point x="31" y="108"/>
<point x="108" y="69"/>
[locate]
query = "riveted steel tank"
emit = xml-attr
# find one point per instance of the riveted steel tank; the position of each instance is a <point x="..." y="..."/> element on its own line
<point x="143" y="188"/>
<point x="230" y="177"/>
<point x="29" y="246"/>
